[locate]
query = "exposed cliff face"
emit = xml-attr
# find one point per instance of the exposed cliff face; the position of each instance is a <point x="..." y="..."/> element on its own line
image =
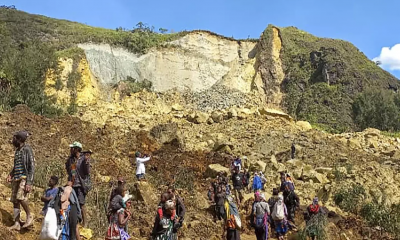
<point x="194" y="62"/>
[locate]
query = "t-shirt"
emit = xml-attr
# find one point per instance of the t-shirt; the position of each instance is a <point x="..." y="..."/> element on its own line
<point x="260" y="208"/>
<point x="51" y="192"/>
<point x="237" y="179"/>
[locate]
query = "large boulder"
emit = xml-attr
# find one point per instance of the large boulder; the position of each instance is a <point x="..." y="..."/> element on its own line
<point x="320" y="178"/>
<point x="217" y="117"/>
<point x="258" y="166"/>
<point x="354" y="143"/>
<point x="274" y="113"/>
<point x="145" y="193"/>
<point x="201" y="117"/>
<point x="213" y="170"/>
<point x="323" y="170"/>
<point x="303" y="125"/>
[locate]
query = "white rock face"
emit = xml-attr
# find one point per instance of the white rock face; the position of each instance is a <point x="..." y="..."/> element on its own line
<point x="196" y="62"/>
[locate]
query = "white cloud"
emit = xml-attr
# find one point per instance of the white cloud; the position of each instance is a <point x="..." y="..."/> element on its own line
<point x="390" y="57"/>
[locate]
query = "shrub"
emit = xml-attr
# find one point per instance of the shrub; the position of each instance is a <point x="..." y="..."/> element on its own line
<point x="377" y="108"/>
<point x="351" y="198"/>
<point x="316" y="226"/>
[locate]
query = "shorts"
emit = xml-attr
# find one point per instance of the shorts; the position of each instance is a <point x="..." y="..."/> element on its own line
<point x="18" y="190"/>
<point x="238" y="193"/>
<point x="81" y="196"/>
<point x="140" y="176"/>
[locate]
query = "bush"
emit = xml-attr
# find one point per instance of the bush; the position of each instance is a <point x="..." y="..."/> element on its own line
<point x="377" y="108"/>
<point x="350" y="199"/>
<point x="316" y="226"/>
<point x="385" y="217"/>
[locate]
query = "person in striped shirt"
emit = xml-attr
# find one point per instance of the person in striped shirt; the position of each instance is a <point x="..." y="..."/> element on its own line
<point x="21" y="179"/>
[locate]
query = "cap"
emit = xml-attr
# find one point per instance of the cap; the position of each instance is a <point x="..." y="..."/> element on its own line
<point x="22" y="135"/>
<point x="137" y="154"/>
<point x="76" y="145"/>
<point x="87" y="151"/>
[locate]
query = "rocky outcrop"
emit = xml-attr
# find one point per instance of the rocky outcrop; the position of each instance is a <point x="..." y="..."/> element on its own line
<point x="194" y="62"/>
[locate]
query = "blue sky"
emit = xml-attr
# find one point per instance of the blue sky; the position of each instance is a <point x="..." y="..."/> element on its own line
<point x="369" y="24"/>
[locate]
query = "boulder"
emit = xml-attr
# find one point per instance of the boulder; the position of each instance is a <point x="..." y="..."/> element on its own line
<point x="303" y="125"/>
<point x="396" y="155"/>
<point x="274" y="162"/>
<point x="320" y="178"/>
<point x="86" y="233"/>
<point x="201" y="117"/>
<point x="372" y="143"/>
<point x="177" y="107"/>
<point x="232" y="113"/>
<point x="258" y="166"/>
<point x="295" y="162"/>
<point x="308" y="173"/>
<point x="144" y="192"/>
<point x="324" y="170"/>
<point x="390" y="151"/>
<point x="213" y="170"/>
<point x="274" y="113"/>
<point x="372" y="132"/>
<point x="217" y="117"/>
<point x="354" y="143"/>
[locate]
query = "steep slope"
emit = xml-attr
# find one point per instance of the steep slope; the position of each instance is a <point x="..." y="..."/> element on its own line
<point x="321" y="76"/>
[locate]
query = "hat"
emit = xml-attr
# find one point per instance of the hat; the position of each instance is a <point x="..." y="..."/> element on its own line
<point x="76" y="145"/>
<point x="22" y="135"/>
<point x="315" y="201"/>
<point x="169" y="205"/>
<point x="137" y="154"/>
<point x="127" y="197"/>
<point x="262" y="196"/>
<point x="88" y="151"/>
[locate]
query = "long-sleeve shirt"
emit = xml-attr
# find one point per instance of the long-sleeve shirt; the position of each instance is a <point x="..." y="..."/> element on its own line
<point x="140" y="168"/>
<point x="24" y="164"/>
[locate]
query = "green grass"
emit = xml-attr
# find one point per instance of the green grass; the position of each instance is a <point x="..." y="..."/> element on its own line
<point x="65" y="34"/>
<point x="391" y="134"/>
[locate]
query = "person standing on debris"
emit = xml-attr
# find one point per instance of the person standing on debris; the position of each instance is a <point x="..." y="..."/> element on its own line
<point x="140" y="167"/>
<point x="292" y="202"/>
<point x="50" y="193"/>
<point x="237" y="180"/>
<point x="259" y="216"/>
<point x="246" y="180"/>
<point x="120" y="215"/>
<point x="293" y="150"/>
<point x="78" y="170"/>
<point x="232" y="220"/>
<point x="263" y="180"/>
<point x="279" y="216"/>
<point x="164" y="222"/>
<point x="271" y="202"/>
<point x="21" y="178"/>
<point x="313" y="210"/>
<point x="219" y="204"/>
<point x="180" y="208"/>
<point x="257" y="184"/>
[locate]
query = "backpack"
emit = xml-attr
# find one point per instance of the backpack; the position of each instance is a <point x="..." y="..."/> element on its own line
<point x="278" y="213"/>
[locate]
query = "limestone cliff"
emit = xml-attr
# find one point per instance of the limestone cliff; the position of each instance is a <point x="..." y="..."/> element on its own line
<point x="194" y="62"/>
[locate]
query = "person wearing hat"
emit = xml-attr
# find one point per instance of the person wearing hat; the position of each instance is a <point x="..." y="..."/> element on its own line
<point x="21" y="179"/>
<point x="78" y="170"/>
<point x="140" y="167"/>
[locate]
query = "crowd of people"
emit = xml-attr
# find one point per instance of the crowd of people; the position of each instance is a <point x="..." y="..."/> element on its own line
<point x="273" y="216"/>
<point x="64" y="207"/>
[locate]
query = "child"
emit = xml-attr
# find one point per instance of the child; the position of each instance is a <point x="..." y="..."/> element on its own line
<point x="50" y="193"/>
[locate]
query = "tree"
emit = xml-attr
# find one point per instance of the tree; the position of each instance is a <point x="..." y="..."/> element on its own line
<point x="377" y="108"/>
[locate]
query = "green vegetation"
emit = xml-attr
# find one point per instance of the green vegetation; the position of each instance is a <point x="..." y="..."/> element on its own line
<point x="30" y="45"/>
<point x="375" y="213"/>
<point x="350" y="199"/>
<point x="130" y="85"/>
<point x="317" y="226"/>
<point x="323" y="76"/>
<point x="377" y="108"/>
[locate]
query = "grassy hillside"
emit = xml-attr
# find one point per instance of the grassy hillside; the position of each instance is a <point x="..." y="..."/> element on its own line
<point x="64" y="34"/>
<point x="323" y="76"/>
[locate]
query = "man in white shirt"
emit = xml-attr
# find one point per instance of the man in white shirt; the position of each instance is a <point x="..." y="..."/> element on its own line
<point x="140" y="167"/>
